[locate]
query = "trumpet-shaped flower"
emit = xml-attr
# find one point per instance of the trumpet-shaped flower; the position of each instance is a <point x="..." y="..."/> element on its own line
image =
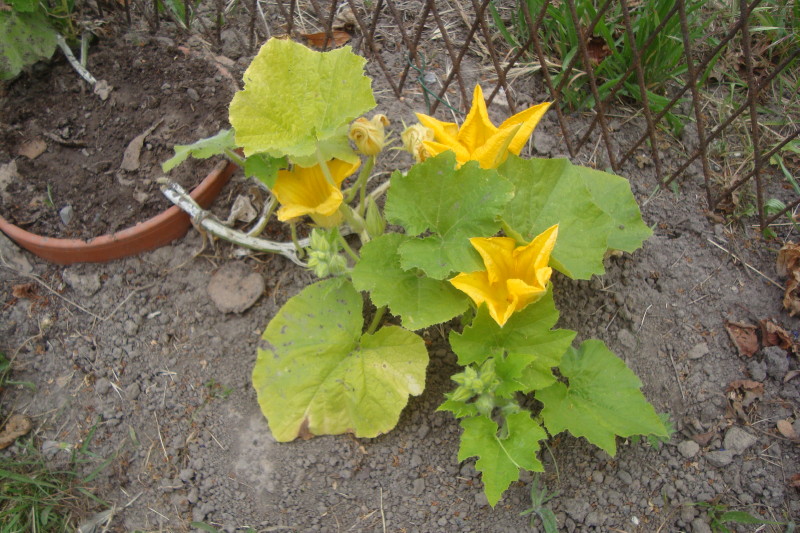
<point x="515" y="276"/>
<point x="306" y="191"/>
<point x="414" y="138"/>
<point x="480" y="140"/>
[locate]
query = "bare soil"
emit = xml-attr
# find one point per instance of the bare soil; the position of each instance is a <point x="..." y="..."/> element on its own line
<point x="137" y="349"/>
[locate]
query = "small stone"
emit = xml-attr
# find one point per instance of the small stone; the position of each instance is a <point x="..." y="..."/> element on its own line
<point x="719" y="458"/>
<point x="757" y="369"/>
<point x="101" y="386"/>
<point x="699" y="526"/>
<point x="688" y="448"/>
<point x="192" y="93"/>
<point x="597" y="476"/>
<point x="130" y="327"/>
<point x="234" y="288"/>
<point x="777" y="362"/>
<point x="132" y="391"/>
<point x="66" y="213"/>
<point x="698" y="351"/>
<point x="186" y="475"/>
<point x="11" y="254"/>
<point x="738" y="440"/>
<point x="418" y="486"/>
<point x="480" y="499"/>
<point x="83" y="284"/>
<point x="626" y="339"/>
<point x="625" y="477"/>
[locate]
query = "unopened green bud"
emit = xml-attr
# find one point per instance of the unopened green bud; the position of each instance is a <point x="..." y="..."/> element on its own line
<point x="485" y="404"/>
<point x="319" y="241"/>
<point x="375" y="223"/>
<point x="337" y="265"/>
<point x="352" y="218"/>
<point x="461" y="394"/>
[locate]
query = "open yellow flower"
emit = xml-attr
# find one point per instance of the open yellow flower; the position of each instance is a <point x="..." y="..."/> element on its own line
<point x="305" y="191"/>
<point x="480" y="140"/>
<point x="515" y="276"/>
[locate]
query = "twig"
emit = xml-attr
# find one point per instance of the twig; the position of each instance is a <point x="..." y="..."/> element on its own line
<point x="163" y="448"/>
<point x="754" y="269"/>
<point x="677" y="377"/>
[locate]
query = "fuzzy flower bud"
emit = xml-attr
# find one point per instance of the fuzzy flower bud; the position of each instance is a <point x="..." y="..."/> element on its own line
<point x="414" y="138"/>
<point x="375" y="223"/>
<point x="368" y="135"/>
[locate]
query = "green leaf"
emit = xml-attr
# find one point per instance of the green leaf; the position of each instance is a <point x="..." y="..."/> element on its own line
<point x="553" y="191"/>
<point x="603" y="399"/>
<point x="295" y="97"/>
<point x="742" y="517"/>
<point x="25" y="38"/>
<point x="316" y="374"/>
<point x="454" y="205"/>
<point x="501" y="458"/>
<point x="458" y="408"/>
<point x="264" y="168"/>
<point x="525" y="337"/>
<point x="613" y="195"/>
<point x="24" y="6"/>
<point x="419" y="300"/>
<point x="202" y="149"/>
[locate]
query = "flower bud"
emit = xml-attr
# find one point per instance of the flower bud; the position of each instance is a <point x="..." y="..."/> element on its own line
<point x="353" y="219"/>
<point x="375" y="222"/>
<point x="413" y="141"/>
<point x="368" y="135"/>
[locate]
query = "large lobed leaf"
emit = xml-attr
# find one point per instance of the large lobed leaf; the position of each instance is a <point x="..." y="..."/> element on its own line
<point x="603" y="399"/>
<point x="26" y="37"/>
<point x="453" y="205"/>
<point x="316" y="374"/>
<point x="419" y="300"/>
<point x="499" y="459"/>
<point x="525" y="349"/>
<point x="296" y="100"/>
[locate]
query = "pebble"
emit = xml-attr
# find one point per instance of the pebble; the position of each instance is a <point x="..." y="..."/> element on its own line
<point x="234" y="288"/>
<point x="688" y="448"/>
<point x="777" y="362"/>
<point x="699" y="526"/>
<point x="698" y="351"/>
<point x="132" y="391"/>
<point x="418" y="487"/>
<point x="101" y="386"/>
<point x="192" y="93"/>
<point x="720" y="458"/>
<point x="66" y="213"/>
<point x="625" y="477"/>
<point x="626" y="339"/>
<point x="757" y="369"/>
<point x="738" y="440"/>
<point x="597" y="476"/>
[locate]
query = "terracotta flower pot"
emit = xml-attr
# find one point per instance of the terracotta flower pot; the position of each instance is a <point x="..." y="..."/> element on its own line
<point x="148" y="235"/>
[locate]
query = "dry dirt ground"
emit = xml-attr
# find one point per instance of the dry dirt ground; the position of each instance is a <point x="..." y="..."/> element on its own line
<point x="136" y="349"/>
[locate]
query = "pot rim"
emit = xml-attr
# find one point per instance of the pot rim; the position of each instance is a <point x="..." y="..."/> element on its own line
<point x="147" y="235"/>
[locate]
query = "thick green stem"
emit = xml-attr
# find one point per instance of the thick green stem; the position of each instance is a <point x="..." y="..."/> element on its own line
<point x="324" y="166"/>
<point x="361" y="183"/>
<point x="233" y="156"/>
<point x="376" y="320"/>
<point x="346" y="247"/>
<point x="295" y="240"/>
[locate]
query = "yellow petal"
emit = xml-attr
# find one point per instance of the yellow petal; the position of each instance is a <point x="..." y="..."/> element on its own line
<point x="476" y="285"/>
<point x="497" y="256"/>
<point x="340" y="170"/>
<point x="528" y="120"/>
<point x="531" y="260"/>
<point x="477" y="128"/>
<point x="521" y="295"/>
<point x="495" y="150"/>
<point x="444" y="132"/>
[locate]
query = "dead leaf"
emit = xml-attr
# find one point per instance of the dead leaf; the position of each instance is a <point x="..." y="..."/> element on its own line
<point x="16" y="427"/>
<point x="785" y="428"/>
<point x="25" y="291"/>
<point x="788" y="266"/>
<point x="32" y="148"/>
<point x="323" y="42"/>
<point x="742" y="395"/>
<point x="791" y="375"/>
<point x="597" y="49"/>
<point x="794" y="481"/>
<point x="130" y="159"/>
<point x="774" y="335"/>
<point x="704" y="438"/>
<point x="744" y="337"/>
<point x="345" y="19"/>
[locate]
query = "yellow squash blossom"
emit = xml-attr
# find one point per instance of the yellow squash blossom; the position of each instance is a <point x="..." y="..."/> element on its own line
<point x="515" y="276"/>
<point x="305" y="191"/>
<point x="369" y="135"/>
<point x="414" y="138"/>
<point x="480" y="140"/>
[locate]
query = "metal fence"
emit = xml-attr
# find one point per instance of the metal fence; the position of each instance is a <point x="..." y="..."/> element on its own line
<point x="509" y="35"/>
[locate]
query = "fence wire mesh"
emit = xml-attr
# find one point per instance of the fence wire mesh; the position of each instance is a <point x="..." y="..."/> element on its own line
<point x="725" y="76"/>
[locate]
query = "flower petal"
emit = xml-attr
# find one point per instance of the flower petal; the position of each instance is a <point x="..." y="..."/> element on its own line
<point x="521" y="295"/>
<point x="528" y="120"/>
<point x="495" y="150"/>
<point x="477" y="127"/>
<point x="530" y="261"/>
<point x="497" y="256"/>
<point x="340" y="170"/>
<point x="476" y="285"/>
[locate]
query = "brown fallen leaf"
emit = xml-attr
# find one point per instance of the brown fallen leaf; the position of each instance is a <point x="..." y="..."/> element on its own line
<point x="794" y="481"/>
<point x="130" y="158"/>
<point x="704" y="438"/>
<point x="785" y="428"/>
<point x="791" y="375"/>
<point x="32" y="148"/>
<point x="788" y="266"/>
<point x="742" y="395"/>
<point x="25" y="291"/>
<point x="744" y="337"/>
<point x="16" y="427"/>
<point x="774" y="335"/>
<point x="323" y="42"/>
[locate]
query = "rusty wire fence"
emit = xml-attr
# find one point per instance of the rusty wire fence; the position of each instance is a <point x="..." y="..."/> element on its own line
<point x="723" y="73"/>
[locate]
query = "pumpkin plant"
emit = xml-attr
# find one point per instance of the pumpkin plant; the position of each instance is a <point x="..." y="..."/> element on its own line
<point x="476" y="233"/>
